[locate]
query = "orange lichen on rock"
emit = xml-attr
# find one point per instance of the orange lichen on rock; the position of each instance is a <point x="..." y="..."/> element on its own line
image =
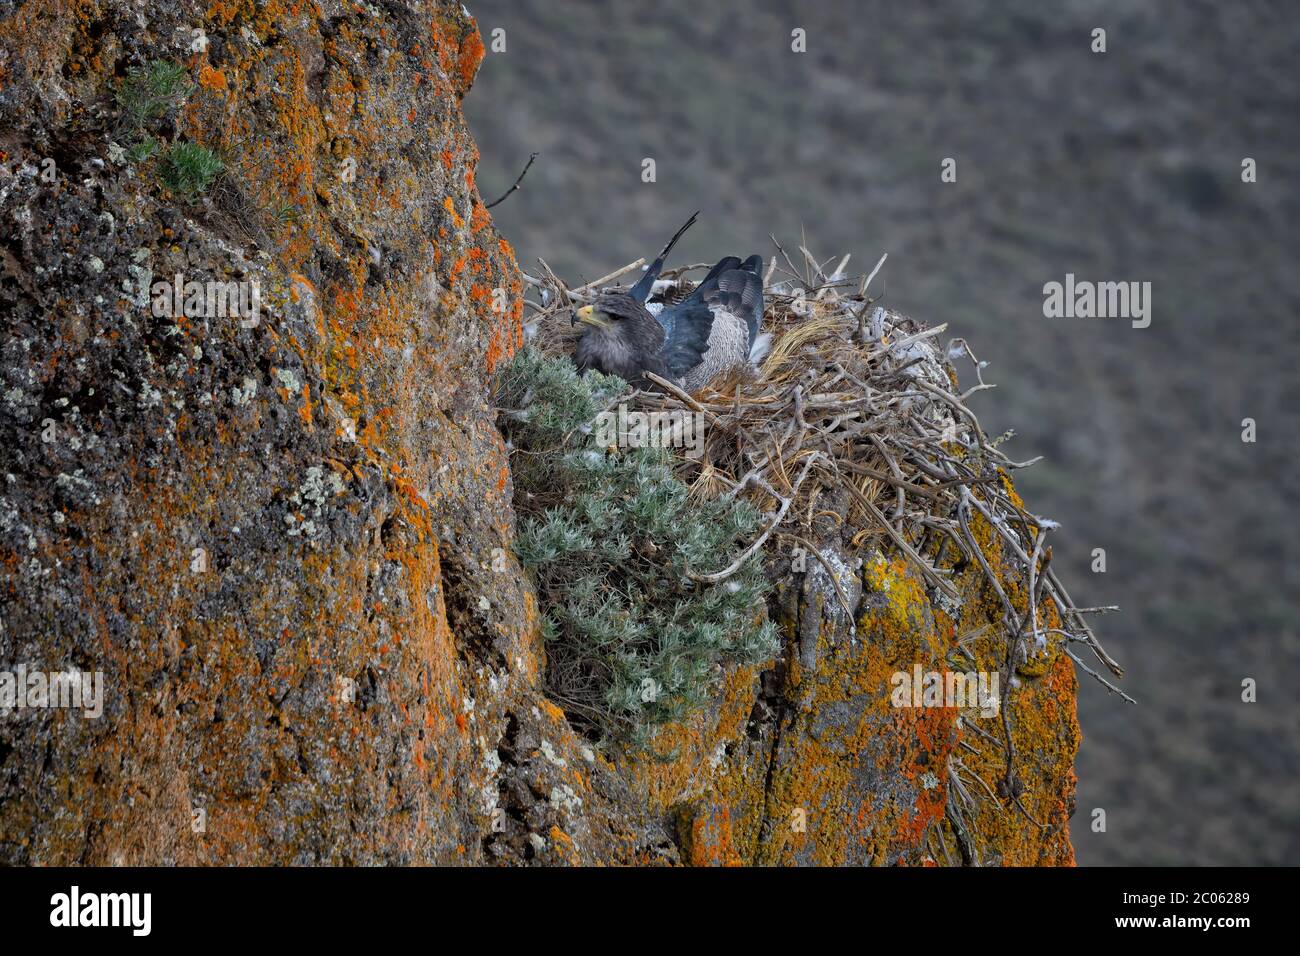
<point x="460" y="51"/>
<point x="212" y="79"/>
<point x="842" y="775"/>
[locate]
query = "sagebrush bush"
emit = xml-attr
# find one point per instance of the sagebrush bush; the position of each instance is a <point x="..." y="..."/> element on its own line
<point x="612" y="538"/>
<point x="188" y="169"/>
<point x="149" y="94"/>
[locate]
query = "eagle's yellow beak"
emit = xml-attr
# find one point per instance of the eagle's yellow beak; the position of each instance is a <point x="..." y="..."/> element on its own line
<point x="588" y="315"/>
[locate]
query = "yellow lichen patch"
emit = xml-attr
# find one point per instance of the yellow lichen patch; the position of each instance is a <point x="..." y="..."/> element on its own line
<point x="695" y="743"/>
<point x="556" y="715"/>
<point x="706" y="837"/>
<point x="1041" y="714"/>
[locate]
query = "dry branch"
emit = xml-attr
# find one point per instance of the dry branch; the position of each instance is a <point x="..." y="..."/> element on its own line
<point x="531" y="159"/>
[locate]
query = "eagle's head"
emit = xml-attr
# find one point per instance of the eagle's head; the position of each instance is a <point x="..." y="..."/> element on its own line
<point x="621" y="338"/>
<point x="619" y="313"/>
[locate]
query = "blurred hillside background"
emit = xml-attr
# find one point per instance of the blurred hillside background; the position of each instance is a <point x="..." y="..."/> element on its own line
<point x="1117" y="166"/>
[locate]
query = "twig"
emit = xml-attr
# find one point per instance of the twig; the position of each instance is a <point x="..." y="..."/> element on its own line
<point x="867" y="281"/>
<point x="531" y="160"/>
<point x="816" y="553"/>
<point x="1105" y="683"/>
<point x="780" y="248"/>
<point x="603" y="280"/>
<point x="1064" y="604"/>
<point x="736" y="565"/>
<point x="903" y="545"/>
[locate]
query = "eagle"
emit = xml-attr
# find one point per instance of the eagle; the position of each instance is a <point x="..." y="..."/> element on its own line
<point x="711" y="332"/>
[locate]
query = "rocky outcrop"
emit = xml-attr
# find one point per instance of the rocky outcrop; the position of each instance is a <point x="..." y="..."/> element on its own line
<point x="283" y="538"/>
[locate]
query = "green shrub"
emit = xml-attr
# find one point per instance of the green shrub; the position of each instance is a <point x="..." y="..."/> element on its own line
<point x="147" y="95"/>
<point x="188" y="169"/>
<point x="142" y="150"/>
<point x="612" y="538"/>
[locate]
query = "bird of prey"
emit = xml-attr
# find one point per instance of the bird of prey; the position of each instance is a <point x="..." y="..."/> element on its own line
<point x="712" y="331"/>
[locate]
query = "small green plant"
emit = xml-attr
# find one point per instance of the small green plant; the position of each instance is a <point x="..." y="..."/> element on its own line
<point x="283" y="213"/>
<point x="142" y="150"/>
<point x="187" y="169"/>
<point x="149" y="94"/>
<point x="613" y="540"/>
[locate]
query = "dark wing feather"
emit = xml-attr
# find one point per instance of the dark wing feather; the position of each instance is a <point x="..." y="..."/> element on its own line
<point x="710" y="282"/>
<point x="668" y="314"/>
<point x="641" y="291"/>
<point x="740" y="292"/>
<point x="736" y="287"/>
<point x="688" y="326"/>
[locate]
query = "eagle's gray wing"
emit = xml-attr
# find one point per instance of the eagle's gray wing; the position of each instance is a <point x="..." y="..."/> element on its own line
<point x="740" y="292"/>
<point x="752" y="296"/>
<point x="727" y="350"/>
<point x="736" y="287"/>
<point x="687" y="327"/>
<point x="668" y="314"/>
<point x="713" y="329"/>
<point x="709" y="283"/>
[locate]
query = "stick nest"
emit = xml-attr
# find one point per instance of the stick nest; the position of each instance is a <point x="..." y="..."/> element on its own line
<point x="853" y="430"/>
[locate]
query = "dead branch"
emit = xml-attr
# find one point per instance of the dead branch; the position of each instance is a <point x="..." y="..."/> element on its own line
<point x="531" y="159"/>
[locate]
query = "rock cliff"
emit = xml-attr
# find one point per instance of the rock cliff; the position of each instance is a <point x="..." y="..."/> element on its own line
<point x="283" y="534"/>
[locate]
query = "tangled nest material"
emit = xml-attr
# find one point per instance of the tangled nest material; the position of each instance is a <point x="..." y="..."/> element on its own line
<point x="855" y="422"/>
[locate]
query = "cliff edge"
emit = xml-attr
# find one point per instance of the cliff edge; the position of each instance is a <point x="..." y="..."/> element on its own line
<point x="250" y="474"/>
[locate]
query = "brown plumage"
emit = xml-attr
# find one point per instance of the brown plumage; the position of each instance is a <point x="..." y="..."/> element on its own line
<point x="623" y="339"/>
